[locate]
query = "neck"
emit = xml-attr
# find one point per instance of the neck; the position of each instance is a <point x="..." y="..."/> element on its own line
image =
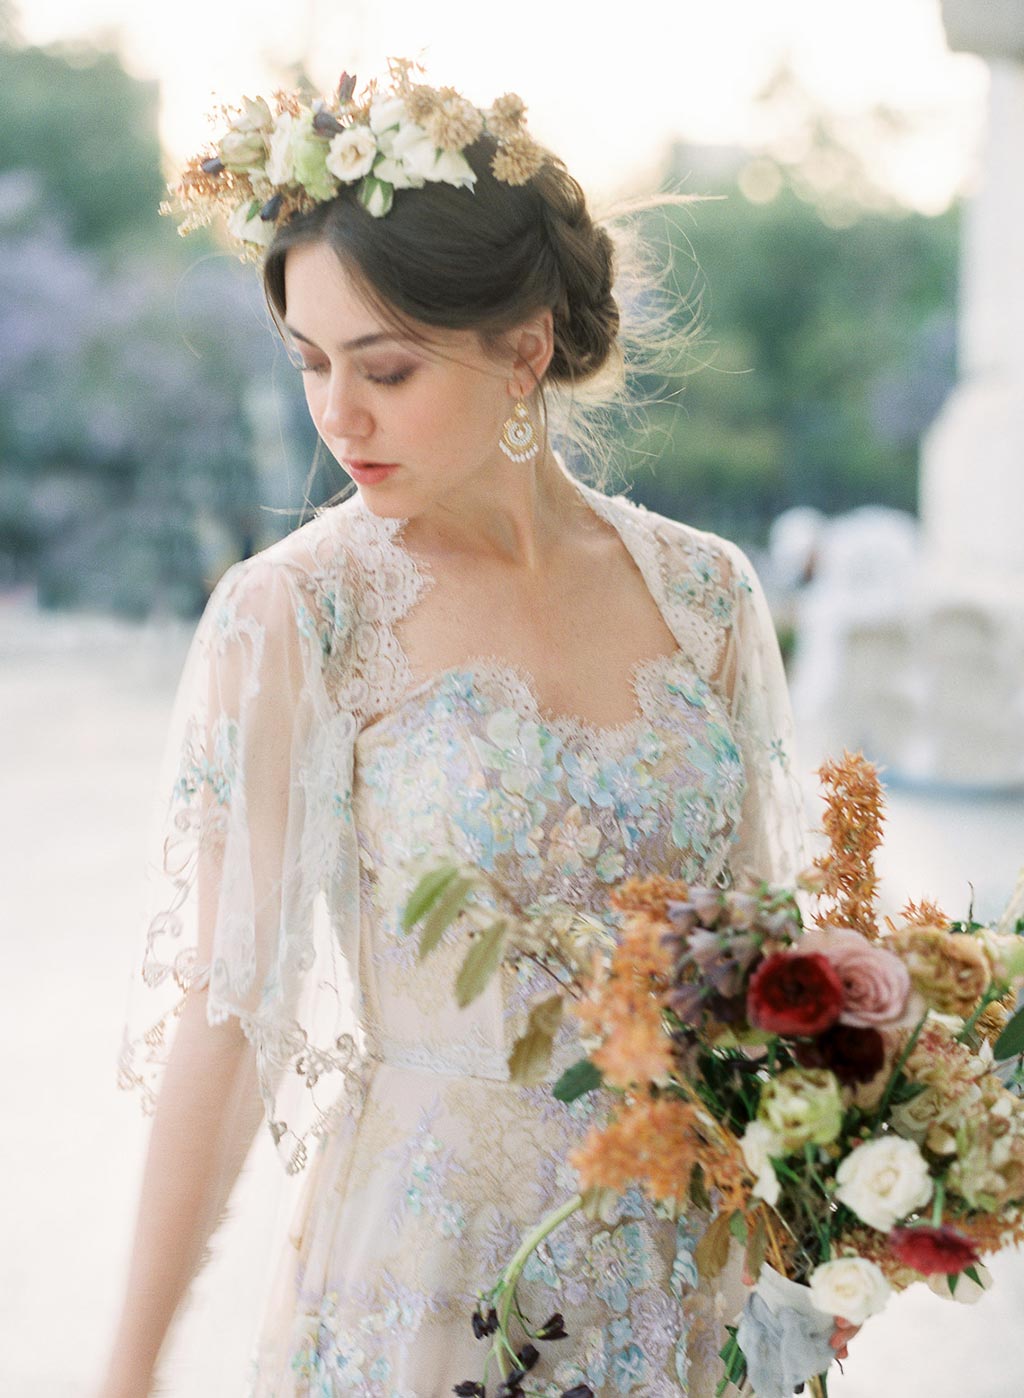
<point x="514" y="513"/>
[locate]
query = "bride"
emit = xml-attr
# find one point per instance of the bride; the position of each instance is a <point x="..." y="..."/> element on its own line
<point x="476" y="652"/>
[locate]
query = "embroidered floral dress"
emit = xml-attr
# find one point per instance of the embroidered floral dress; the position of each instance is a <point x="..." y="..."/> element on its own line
<point x="311" y="777"/>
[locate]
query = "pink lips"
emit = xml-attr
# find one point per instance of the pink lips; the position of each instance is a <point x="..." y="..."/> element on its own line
<point x="369" y="472"/>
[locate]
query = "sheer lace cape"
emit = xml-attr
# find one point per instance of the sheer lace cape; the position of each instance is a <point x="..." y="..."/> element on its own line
<point x="254" y="876"/>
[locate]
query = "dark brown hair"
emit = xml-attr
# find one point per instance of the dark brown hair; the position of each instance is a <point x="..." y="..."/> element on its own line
<point x="484" y="260"/>
<point x="490" y="258"/>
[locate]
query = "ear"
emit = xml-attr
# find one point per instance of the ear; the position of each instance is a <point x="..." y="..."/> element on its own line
<point x="533" y="344"/>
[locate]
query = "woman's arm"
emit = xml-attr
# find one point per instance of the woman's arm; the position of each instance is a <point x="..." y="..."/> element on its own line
<point x="207" y="1114"/>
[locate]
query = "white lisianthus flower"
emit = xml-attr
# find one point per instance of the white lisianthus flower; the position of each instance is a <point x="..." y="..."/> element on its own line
<point x="241" y="149"/>
<point x="966" y="1291"/>
<point x="376" y="197"/>
<point x="386" y="114"/>
<point x="394" y="173"/>
<point x="251" y="230"/>
<point x="422" y="160"/>
<point x="883" y="1181"/>
<point x="281" y="160"/>
<point x="759" y="1144"/>
<point x="254" y="116"/>
<point x="453" y="168"/>
<point x="352" y="153"/>
<point x="851" y="1287"/>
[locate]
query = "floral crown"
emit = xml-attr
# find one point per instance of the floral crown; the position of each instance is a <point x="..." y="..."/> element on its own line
<point x="270" y="165"/>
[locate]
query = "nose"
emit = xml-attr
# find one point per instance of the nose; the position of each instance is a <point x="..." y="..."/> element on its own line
<point x="344" y="415"/>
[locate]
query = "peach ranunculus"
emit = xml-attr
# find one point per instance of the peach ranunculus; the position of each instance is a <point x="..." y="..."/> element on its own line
<point x="876" y="984"/>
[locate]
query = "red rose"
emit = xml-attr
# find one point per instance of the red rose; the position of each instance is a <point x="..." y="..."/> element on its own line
<point x="853" y="1054"/>
<point x="795" y="995"/>
<point x="931" y="1250"/>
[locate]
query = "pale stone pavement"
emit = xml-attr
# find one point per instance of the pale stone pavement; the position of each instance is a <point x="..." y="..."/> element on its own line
<point x="84" y="705"/>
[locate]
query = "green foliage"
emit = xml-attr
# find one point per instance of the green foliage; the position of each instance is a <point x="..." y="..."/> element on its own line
<point x="824" y="354"/>
<point x="90" y="129"/>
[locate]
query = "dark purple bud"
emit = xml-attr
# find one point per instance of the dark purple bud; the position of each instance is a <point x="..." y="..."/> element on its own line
<point x="213" y="166"/>
<point x="469" y="1388"/>
<point x="553" y="1328"/>
<point x="346" y="87"/>
<point x="271" y="208"/>
<point x="482" y="1326"/>
<point x="581" y="1390"/>
<point x="528" y="1356"/>
<point x="326" y="123"/>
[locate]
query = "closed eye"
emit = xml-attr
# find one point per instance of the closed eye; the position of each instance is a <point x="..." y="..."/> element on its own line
<point x="390" y="380"/>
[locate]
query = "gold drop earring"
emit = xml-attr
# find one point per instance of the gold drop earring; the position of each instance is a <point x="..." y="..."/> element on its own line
<point x="519" y="439"/>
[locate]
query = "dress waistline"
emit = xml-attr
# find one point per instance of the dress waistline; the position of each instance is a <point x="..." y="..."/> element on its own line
<point x="456" y="1061"/>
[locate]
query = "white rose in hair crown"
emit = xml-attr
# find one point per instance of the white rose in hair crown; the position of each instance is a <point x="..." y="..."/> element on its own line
<point x="273" y="163"/>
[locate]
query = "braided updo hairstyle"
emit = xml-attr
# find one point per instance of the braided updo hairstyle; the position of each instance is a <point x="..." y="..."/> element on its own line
<point x="487" y="260"/>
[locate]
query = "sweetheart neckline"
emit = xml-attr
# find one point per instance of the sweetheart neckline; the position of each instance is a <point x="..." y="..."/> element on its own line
<point x="523" y="690"/>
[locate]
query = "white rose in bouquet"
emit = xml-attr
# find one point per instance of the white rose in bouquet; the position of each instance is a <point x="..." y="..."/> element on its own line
<point x="851" y="1287"/>
<point x="883" y="1181"/>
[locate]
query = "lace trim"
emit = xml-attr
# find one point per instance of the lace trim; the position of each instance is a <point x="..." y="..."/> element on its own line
<point x="393" y="581"/>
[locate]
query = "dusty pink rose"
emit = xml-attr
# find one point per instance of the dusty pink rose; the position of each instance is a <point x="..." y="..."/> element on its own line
<point x="876" y="983"/>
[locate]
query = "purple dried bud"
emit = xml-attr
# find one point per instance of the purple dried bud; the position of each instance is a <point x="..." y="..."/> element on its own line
<point x="213" y="166"/>
<point x="327" y="124"/>
<point x="681" y="915"/>
<point x="709" y="905"/>
<point x="741" y="909"/>
<point x="688" y="1003"/>
<point x="346" y="87"/>
<point x="271" y="208"/>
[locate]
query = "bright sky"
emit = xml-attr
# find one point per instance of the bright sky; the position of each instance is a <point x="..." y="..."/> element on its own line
<point x="607" y="86"/>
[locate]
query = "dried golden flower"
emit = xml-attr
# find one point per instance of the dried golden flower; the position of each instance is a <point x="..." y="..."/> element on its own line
<point x="923" y="914"/>
<point x="949" y="969"/>
<point x="651" y="895"/>
<point x="624" y="1007"/>
<point x="505" y="118"/>
<point x="453" y="123"/>
<point x="287" y="102"/>
<point x="853" y="823"/>
<point x="656" y="1142"/>
<point x="420" y="102"/>
<point x="995" y="1017"/>
<point x="517" y="160"/>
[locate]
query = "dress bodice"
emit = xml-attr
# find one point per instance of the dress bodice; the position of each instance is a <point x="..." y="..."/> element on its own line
<point x="553" y="810"/>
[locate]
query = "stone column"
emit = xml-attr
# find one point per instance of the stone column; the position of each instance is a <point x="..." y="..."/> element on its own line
<point x="969" y="646"/>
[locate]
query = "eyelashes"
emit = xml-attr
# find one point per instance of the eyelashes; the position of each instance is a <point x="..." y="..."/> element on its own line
<point x="384" y="380"/>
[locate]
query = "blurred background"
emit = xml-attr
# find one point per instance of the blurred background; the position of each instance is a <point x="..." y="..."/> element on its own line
<point x="851" y="412"/>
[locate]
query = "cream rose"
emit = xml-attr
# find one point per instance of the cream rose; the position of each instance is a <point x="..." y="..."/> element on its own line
<point x="281" y="160"/>
<point x="883" y="1181"/>
<point x="759" y="1144"/>
<point x="850" y="1287"/>
<point x="351" y="153"/>
<point x="876" y="983"/>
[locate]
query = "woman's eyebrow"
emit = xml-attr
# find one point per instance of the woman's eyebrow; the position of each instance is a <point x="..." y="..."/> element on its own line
<point x="360" y="342"/>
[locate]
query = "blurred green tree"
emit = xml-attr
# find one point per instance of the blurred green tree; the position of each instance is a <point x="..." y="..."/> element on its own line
<point x="89" y="128"/>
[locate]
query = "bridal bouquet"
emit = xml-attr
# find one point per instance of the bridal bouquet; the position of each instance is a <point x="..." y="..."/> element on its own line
<point x="845" y="1095"/>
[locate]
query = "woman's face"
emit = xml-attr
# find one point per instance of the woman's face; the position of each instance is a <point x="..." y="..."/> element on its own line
<point x="435" y="412"/>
